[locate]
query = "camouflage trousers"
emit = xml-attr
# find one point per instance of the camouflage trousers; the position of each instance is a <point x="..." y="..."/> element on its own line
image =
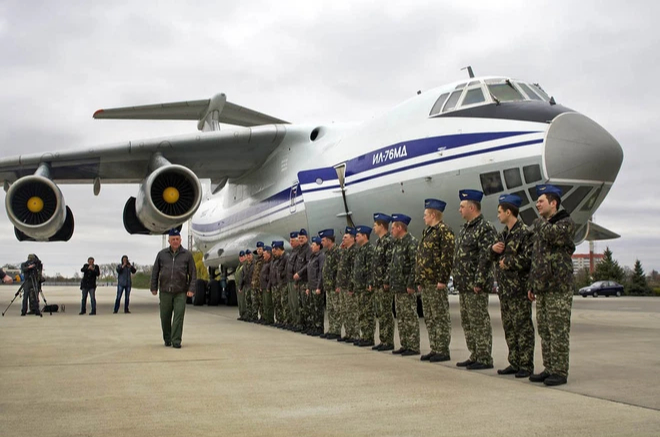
<point x="367" y="314"/>
<point x="383" y="305"/>
<point x="407" y="320"/>
<point x="316" y="320"/>
<point x="285" y="294"/>
<point x="436" y="317"/>
<point x="277" y="302"/>
<point x="553" y="317"/>
<point x="475" y="321"/>
<point x="518" y="330"/>
<point x="257" y="303"/>
<point x="267" y="306"/>
<point x="294" y="305"/>
<point x="332" y="301"/>
<point x="249" y="312"/>
<point x="304" y="304"/>
<point x="349" y="314"/>
<point x="240" y="296"/>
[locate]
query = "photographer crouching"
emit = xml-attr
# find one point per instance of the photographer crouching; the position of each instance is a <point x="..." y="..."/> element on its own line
<point x="31" y="270"/>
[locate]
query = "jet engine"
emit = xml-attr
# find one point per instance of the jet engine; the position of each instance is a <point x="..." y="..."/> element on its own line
<point x="36" y="207"/>
<point x="168" y="197"/>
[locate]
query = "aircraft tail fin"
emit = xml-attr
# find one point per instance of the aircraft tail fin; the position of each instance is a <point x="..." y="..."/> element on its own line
<point x="209" y="113"/>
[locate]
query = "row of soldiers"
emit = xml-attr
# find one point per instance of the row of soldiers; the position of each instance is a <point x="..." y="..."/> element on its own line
<point x="361" y="283"/>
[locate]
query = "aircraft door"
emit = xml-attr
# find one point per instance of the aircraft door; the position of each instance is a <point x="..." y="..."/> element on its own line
<point x="292" y="197"/>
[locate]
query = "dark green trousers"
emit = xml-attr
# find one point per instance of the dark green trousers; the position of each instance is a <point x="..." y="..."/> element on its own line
<point x="172" y="327"/>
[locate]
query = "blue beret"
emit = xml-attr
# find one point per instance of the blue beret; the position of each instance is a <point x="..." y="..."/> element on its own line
<point x="293" y="234"/>
<point x="435" y="204"/>
<point x="278" y="244"/>
<point x="248" y="252"/>
<point x="268" y="249"/>
<point x="366" y="230"/>
<point x="350" y="230"/>
<point x="174" y="233"/>
<point x="241" y="253"/>
<point x="317" y="240"/>
<point x="303" y="232"/>
<point x="543" y="189"/>
<point x="511" y="199"/>
<point x="260" y="244"/>
<point x="379" y="216"/>
<point x="327" y="233"/>
<point x="474" y="195"/>
<point x="401" y="218"/>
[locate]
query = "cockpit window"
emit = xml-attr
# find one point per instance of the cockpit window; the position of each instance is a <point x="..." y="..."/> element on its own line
<point x="542" y="93"/>
<point x="438" y="104"/>
<point x="528" y="90"/>
<point x="453" y="99"/>
<point x="505" y="92"/>
<point x="460" y="86"/>
<point x="473" y="96"/>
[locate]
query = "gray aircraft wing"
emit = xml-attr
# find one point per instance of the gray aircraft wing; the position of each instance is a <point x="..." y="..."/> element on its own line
<point x="597" y="233"/>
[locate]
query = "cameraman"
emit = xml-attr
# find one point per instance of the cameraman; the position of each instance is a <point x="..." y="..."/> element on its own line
<point x="90" y="272"/>
<point x="124" y="271"/>
<point x="31" y="270"/>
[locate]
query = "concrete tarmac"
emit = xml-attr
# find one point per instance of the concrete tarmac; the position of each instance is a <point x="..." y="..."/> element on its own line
<point x="110" y="375"/>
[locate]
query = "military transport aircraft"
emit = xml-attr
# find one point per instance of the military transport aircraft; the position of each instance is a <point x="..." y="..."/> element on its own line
<point x="269" y="177"/>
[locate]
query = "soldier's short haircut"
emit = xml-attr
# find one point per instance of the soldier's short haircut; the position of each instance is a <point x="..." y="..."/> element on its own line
<point x="509" y="207"/>
<point x="476" y="204"/>
<point x="553" y="197"/>
<point x="383" y="223"/>
<point x="402" y="225"/>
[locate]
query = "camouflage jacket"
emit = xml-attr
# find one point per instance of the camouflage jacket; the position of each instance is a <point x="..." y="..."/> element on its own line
<point x="246" y="280"/>
<point x="512" y="280"/>
<point x="473" y="266"/>
<point x="256" y="273"/>
<point x="362" y="265"/>
<point x="402" y="267"/>
<point x="553" y="247"/>
<point x="329" y="274"/>
<point x="435" y="255"/>
<point x="291" y="264"/>
<point x="314" y="268"/>
<point x="345" y="268"/>
<point x="264" y="276"/>
<point x="382" y="260"/>
<point x="304" y="253"/>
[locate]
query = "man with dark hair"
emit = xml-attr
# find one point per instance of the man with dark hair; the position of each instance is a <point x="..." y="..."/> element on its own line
<point x="124" y="272"/>
<point x="329" y="283"/>
<point x="174" y="274"/>
<point x="313" y="292"/>
<point x="384" y="298"/>
<point x="363" y="299"/>
<point x="511" y="255"/>
<point x="402" y="284"/>
<point x="473" y="277"/>
<point x="345" y="284"/>
<point x="433" y="267"/>
<point x="551" y="283"/>
<point x="90" y="272"/>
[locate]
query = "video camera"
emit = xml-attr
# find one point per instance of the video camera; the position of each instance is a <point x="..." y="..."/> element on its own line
<point x="32" y="266"/>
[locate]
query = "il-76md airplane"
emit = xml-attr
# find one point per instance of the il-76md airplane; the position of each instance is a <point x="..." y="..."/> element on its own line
<point x="269" y="177"/>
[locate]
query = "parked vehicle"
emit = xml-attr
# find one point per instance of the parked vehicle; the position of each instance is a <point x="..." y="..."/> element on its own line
<point x="602" y="288"/>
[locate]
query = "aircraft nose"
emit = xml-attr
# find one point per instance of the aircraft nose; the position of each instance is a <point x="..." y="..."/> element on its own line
<point x="578" y="148"/>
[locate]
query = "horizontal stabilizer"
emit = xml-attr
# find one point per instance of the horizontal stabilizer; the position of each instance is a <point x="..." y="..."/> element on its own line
<point x="597" y="232"/>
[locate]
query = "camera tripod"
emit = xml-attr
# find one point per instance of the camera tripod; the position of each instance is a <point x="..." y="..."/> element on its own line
<point x="36" y="288"/>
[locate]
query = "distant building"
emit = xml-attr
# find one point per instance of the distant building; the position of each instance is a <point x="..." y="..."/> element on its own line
<point x="581" y="261"/>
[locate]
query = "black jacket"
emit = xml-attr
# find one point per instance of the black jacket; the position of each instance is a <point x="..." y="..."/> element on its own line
<point x="89" y="277"/>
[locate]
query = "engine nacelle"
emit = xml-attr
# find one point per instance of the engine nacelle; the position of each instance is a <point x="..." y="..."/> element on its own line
<point x="36" y="207"/>
<point x="168" y="197"/>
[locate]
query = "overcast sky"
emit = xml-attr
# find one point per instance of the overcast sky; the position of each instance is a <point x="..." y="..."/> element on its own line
<point x="314" y="61"/>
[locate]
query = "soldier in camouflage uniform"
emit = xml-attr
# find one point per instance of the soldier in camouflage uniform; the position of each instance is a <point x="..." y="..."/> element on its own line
<point x="345" y="285"/>
<point x="257" y="303"/>
<point x="313" y="292"/>
<point x="265" y="283"/>
<point x="434" y="262"/>
<point x="383" y="297"/>
<point x="280" y="293"/>
<point x="246" y="285"/>
<point x="402" y="284"/>
<point x="551" y="283"/>
<point x="473" y="277"/>
<point x="363" y="286"/>
<point x="291" y="310"/>
<point x="238" y="277"/>
<point x="304" y="253"/>
<point x="511" y="255"/>
<point x="329" y="283"/>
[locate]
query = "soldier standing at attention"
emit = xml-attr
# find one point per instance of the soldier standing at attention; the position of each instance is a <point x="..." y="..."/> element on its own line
<point x="551" y="280"/>
<point x="434" y="261"/>
<point x="329" y="283"/>
<point x="257" y="304"/>
<point x="384" y="299"/>
<point x="363" y="287"/>
<point x="402" y="284"/>
<point x="293" y="313"/>
<point x="313" y="292"/>
<point x="238" y="277"/>
<point x="473" y="277"/>
<point x="246" y="285"/>
<point x="345" y="283"/>
<point x="280" y="295"/>
<point x="511" y="254"/>
<point x="265" y="284"/>
<point x="301" y="280"/>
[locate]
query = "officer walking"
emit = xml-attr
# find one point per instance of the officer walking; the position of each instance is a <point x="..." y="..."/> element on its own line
<point x="384" y="298"/>
<point x="345" y="284"/>
<point x="473" y="277"/>
<point x="434" y="262"/>
<point x="363" y="286"/>
<point x="402" y="284"/>
<point x="551" y="279"/>
<point x="511" y="255"/>
<point x="329" y="283"/>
